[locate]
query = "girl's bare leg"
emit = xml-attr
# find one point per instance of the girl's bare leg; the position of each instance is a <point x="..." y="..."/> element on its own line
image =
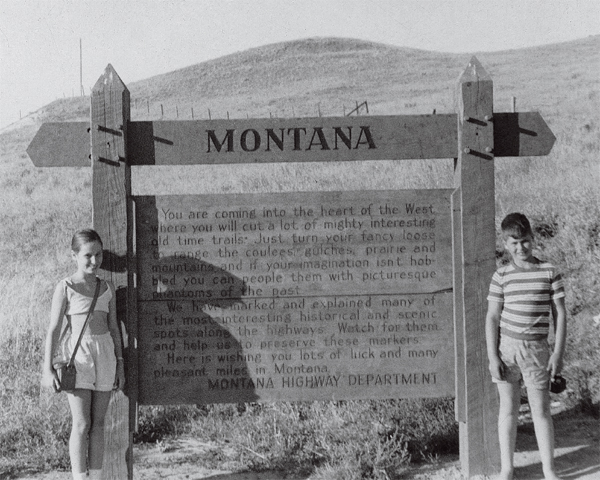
<point x="80" y="402"/>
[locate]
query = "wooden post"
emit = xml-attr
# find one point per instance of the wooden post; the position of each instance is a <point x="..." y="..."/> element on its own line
<point x="474" y="180"/>
<point x="112" y="211"/>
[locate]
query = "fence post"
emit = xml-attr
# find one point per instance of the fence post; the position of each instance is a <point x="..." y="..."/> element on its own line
<point x="112" y="219"/>
<point x="474" y="180"/>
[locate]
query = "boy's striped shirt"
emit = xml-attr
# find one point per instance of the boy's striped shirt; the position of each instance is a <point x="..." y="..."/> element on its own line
<point x="527" y="297"/>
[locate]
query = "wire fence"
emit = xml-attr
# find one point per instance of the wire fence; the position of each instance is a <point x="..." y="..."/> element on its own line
<point x="145" y="109"/>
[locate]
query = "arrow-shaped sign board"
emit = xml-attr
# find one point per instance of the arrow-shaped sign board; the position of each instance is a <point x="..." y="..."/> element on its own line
<point x="61" y="144"/>
<point x="292" y="140"/>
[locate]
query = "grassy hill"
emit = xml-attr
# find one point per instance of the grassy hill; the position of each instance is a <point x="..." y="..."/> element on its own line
<point x="292" y="78"/>
<point x="40" y="208"/>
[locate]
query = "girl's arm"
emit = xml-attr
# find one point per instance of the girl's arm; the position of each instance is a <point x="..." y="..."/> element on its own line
<point x="115" y="333"/>
<point x="492" y="320"/>
<point x="559" y="312"/>
<point x="57" y="312"/>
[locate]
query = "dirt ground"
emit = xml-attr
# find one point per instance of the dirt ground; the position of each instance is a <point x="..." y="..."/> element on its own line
<point x="577" y="457"/>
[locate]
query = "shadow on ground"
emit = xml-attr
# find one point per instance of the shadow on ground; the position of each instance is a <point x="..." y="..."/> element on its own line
<point x="577" y="454"/>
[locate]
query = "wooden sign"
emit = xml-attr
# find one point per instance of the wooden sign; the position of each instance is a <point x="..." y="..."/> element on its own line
<point x="295" y="296"/>
<point x="61" y="144"/>
<point x="302" y="296"/>
<point x="321" y="139"/>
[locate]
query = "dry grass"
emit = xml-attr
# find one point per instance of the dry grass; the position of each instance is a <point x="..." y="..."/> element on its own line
<point x="39" y="208"/>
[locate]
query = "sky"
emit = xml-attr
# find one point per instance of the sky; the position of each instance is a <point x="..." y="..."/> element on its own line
<point x="40" y="39"/>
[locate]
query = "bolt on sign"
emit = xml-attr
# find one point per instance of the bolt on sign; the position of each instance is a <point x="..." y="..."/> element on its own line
<point x="300" y="295"/>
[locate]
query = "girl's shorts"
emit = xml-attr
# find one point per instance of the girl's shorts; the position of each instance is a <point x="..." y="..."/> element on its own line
<point x="526" y="362"/>
<point x="95" y="362"/>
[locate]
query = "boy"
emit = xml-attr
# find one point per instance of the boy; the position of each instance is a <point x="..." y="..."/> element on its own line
<point x="521" y="297"/>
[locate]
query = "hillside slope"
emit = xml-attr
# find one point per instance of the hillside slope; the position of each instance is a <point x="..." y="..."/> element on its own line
<point x="329" y="75"/>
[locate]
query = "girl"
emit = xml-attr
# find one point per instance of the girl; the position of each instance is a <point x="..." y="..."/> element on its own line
<point x="99" y="359"/>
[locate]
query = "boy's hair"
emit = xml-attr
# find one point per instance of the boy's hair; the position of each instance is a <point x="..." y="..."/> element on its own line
<point x="86" y="235"/>
<point x="515" y="225"/>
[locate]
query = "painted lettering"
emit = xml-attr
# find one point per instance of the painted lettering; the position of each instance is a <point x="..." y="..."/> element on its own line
<point x="212" y="138"/>
<point x="244" y="140"/>
<point x="298" y="139"/>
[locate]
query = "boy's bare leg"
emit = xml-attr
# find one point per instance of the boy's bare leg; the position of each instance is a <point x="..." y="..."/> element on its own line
<point x="510" y="396"/>
<point x="539" y="401"/>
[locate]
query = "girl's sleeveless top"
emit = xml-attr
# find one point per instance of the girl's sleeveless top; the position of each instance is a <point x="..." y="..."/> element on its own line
<point x="78" y="303"/>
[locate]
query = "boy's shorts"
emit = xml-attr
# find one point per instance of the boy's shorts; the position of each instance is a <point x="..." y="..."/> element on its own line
<point x="526" y="362"/>
<point x="95" y="362"/>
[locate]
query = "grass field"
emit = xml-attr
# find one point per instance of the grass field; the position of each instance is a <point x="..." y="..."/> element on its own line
<point x="40" y="208"/>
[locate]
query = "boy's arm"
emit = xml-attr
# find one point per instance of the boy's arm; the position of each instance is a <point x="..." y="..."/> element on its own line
<point x="492" y="321"/>
<point x="559" y="312"/>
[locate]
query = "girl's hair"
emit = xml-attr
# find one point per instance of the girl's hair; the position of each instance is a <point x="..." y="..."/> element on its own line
<point x="516" y="225"/>
<point x="86" y="235"/>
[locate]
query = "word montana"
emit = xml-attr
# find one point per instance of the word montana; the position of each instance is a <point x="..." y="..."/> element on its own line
<point x="290" y="139"/>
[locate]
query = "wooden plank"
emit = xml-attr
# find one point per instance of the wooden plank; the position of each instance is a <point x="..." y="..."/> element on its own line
<point x="61" y="144"/>
<point x="111" y="188"/>
<point x="185" y="143"/>
<point x="295" y="296"/>
<point x="459" y="326"/>
<point x="474" y="175"/>
<point x="268" y="140"/>
<point x="524" y="134"/>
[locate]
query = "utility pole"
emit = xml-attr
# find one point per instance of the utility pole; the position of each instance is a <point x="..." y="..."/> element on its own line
<point x="82" y="90"/>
